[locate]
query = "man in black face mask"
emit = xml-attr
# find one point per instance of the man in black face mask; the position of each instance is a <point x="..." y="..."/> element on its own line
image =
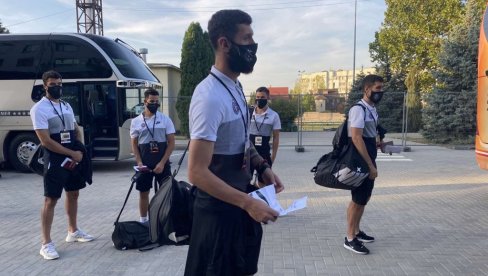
<point x="265" y="123"/>
<point x="226" y="232"/>
<point x="57" y="130"/>
<point x="363" y="133"/>
<point x="153" y="140"/>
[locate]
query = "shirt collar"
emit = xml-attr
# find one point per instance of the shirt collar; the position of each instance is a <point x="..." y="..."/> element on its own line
<point x="228" y="81"/>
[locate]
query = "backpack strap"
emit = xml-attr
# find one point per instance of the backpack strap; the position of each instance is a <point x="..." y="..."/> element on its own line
<point x="362" y="106"/>
<point x="133" y="179"/>
<point x="175" y="172"/>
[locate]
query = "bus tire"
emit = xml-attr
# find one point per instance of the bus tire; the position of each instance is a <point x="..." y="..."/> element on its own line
<point x="20" y="148"/>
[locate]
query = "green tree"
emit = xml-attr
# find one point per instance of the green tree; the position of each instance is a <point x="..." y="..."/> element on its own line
<point x="308" y="102"/>
<point x="196" y="60"/>
<point x="414" y="106"/>
<point x="288" y="111"/>
<point x="411" y="37"/>
<point x="449" y="115"/>
<point x="3" y="30"/>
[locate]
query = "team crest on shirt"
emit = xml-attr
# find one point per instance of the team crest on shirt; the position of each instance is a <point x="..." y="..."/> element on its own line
<point x="235" y="106"/>
<point x="143" y="125"/>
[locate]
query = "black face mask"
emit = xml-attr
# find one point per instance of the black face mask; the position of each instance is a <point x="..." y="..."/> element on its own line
<point x="55" y="91"/>
<point x="375" y="97"/>
<point x="153" y="107"/>
<point x="242" y="57"/>
<point x="261" y="102"/>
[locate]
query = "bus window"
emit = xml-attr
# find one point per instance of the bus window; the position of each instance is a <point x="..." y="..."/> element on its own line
<point x="128" y="63"/>
<point x="134" y="100"/>
<point x="71" y="94"/>
<point x="20" y="59"/>
<point x="78" y="59"/>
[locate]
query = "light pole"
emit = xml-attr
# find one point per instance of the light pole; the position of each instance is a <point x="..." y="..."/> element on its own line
<point x="354" y="51"/>
<point x="299" y="147"/>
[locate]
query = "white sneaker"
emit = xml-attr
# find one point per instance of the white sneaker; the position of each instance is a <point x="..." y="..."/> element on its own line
<point x="79" y="236"/>
<point x="48" y="251"/>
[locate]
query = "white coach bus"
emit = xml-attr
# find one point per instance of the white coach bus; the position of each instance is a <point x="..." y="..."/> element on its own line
<point x="103" y="80"/>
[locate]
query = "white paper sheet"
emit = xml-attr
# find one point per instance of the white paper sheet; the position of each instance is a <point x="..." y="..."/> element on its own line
<point x="268" y="195"/>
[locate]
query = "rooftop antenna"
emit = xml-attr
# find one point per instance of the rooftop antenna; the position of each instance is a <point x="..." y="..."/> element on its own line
<point x="89" y="16"/>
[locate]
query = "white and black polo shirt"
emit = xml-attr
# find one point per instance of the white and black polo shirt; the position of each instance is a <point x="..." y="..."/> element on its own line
<point x="146" y="130"/>
<point x="261" y="129"/>
<point x="217" y="116"/>
<point x="358" y="119"/>
<point x="55" y="117"/>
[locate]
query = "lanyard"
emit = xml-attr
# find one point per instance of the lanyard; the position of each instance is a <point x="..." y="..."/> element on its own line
<point x="256" y="121"/>
<point x="370" y="112"/>
<point x="154" y="124"/>
<point x="245" y="122"/>
<point x="57" y="113"/>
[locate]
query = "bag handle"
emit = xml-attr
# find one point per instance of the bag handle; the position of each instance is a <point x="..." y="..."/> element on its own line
<point x="134" y="178"/>
<point x="175" y="172"/>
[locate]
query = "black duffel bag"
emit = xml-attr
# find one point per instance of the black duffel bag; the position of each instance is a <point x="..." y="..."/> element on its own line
<point x="345" y="170"/>
<point x="130" y="234"/>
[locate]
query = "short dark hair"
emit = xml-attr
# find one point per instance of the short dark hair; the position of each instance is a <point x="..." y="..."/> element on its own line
<point x="150" y="92"/>
<point x="224" y="23"/>
<point x="370" y="80"/>
<point x="51" y="74"/>
<point x="263" y="90"/>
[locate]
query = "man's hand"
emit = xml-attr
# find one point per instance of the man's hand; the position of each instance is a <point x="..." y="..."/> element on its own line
<point x="373" y="173"/>
<point x="159" y="168"/>
<point x="77" y="156"/>
<point x="260" y="211"/>
<point x="270" y="177"/>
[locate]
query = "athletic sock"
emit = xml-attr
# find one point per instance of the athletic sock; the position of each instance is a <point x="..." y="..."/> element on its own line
<point x="143" y="219"/>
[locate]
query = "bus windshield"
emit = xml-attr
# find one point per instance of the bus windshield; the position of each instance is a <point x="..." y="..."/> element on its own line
<point x="128" y="63"/>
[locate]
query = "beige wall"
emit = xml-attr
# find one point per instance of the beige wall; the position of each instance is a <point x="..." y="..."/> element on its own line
<point x="170" y="76"/>
<point x="333" y="79"/>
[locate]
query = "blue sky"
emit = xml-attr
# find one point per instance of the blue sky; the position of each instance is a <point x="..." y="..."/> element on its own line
<point x="293" y="35"/>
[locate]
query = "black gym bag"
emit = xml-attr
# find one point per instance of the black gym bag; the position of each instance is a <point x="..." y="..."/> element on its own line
<point x="130" y="234"/>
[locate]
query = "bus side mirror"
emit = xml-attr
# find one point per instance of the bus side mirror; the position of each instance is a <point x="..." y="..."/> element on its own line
<point x="486" y="73"/>
<point x="37" y="93"/>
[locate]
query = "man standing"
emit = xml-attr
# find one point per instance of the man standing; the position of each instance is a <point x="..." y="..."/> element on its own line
<point x="153" y="140"/>
<point x="362" y="131"/>
<point x="265" y="123"/>
<point x="226" y="235"/>
<point x="56" y="128"/>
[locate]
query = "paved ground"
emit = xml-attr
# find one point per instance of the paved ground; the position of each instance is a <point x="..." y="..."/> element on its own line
<point x="429" y="214"/>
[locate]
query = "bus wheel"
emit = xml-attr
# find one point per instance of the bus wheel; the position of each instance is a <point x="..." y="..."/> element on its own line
<point x="20" y="149"/>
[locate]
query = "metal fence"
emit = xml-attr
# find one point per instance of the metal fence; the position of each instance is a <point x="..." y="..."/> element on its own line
<point x="313" y="118"/>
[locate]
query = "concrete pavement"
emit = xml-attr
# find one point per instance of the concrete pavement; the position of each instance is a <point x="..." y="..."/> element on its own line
<point x="429" y="214"/>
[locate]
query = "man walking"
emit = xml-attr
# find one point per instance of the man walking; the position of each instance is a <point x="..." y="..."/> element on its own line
<point x="362" y="130"/>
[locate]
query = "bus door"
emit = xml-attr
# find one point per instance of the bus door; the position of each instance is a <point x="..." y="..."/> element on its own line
<point x="100" y="120"/>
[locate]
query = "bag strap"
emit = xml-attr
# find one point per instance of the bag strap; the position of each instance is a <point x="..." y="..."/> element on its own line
<point x="133" y="179"/>
<point x="175" y="172"/>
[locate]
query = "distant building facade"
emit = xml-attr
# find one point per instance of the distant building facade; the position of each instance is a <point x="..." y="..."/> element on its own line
<point x="340" y="80"/>
<point x="170" y="76"/>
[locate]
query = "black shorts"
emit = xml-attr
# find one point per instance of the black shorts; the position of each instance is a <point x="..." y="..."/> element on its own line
<point x="56" y="178"/>
<point x="225" y="240"/>
<point x="361" y="194"/>
<point x="145" y="180"/>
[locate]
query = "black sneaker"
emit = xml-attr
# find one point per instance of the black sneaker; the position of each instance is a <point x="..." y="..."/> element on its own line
<point x="355" y="246"/>
<point x="364" y="238"/>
